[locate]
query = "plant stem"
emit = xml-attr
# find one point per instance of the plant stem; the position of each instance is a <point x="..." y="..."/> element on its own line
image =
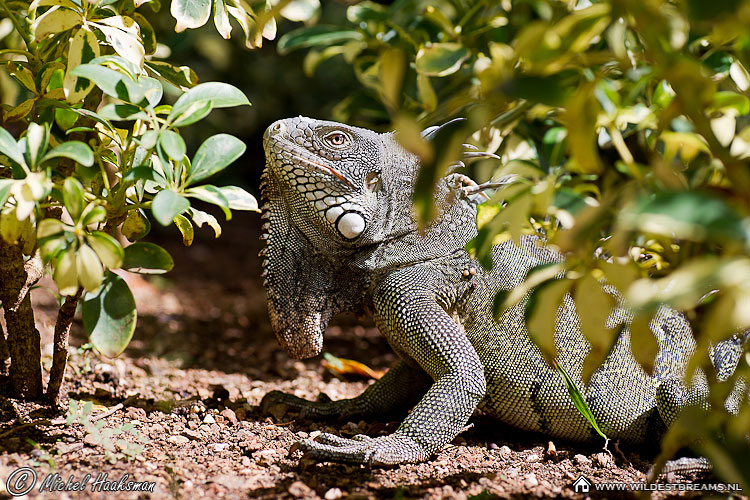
<point x="4" y="354"/>
<point x="22" y="52"/>
<point x="60" y="353"/>
<point x="16" y="278"/>
<point x="24" y="34"/>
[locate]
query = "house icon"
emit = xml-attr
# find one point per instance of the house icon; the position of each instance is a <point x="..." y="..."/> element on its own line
<point x="582" y="485"/>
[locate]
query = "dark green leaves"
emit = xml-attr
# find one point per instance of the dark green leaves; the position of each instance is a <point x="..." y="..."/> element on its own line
<point x="315" y="36"/>
<point x="201" y="99"/>
<point x="687" y="215"/>
<point x="109" y="316"/>
<point x="214" y="155"/>
<point x="147" y="258"/>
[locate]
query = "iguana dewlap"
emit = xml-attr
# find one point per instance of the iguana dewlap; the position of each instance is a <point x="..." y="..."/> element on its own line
<point x="341" y="237"/>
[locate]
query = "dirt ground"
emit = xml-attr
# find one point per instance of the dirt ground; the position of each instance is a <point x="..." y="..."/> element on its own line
<point x="202" y="358"/>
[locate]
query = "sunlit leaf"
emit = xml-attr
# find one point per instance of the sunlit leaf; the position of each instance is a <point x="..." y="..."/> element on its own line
<point x="441" y="59"/>
<point x="83" y="48"/>
<point x="109" y="316"/>
<point x="541" y="315"/>
<point x="186" y="228"/>
<point x="190" y="13"/>
<point x="54" y="21"/>
<point x="167" y="205"/>
<point x="107" y="248"/>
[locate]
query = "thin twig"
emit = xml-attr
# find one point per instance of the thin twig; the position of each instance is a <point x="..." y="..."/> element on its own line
<point x="43" y="421"/>
<point x="114" y="409"/>
<point x="60" y="353"/>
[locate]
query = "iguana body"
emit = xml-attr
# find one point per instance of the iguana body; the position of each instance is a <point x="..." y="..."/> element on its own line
<point x="341" y="237"/>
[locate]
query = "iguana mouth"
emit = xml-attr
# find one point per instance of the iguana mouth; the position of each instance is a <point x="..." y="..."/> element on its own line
<point x="324" y="168"/>
<point x="298" y="160"/>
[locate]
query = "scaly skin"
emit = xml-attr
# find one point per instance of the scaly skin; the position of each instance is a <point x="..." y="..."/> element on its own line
<point x="341" y="237"/>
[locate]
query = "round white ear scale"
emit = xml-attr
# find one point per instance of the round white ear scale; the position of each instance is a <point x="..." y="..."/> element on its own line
<point x="333" y="213"/>
<point x="351" y="225"/>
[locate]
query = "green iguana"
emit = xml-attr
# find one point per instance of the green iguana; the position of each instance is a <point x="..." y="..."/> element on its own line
<point x="341" y="237"/>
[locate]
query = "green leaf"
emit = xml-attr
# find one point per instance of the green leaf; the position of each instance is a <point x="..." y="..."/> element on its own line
<point x="75" y="150"/>
<point x="9" y="148"/>
<point x="195" y="112"/>
<point x="5" y="186"/>
<point x="689" y="215"/>
<point x="215" y="94"/>
<point x="92" y="214"/>
<point x="173" y="145"/>
<point x="109" y="316"/>
<point x="180" y="76"/>
<point x="594" y="307"/>
<point x="186" y="228"/>
<point x="190" y="13"/>
<point x="117" y="112"/>
<point x="210" y="194"/>
<point x="147" y="258"/>
<point x="214" y="155"/>
<point x="37" y="137"/>
<point x="65" y="273"/>
<point x="167" y="205"/>
<point x="541" y="314"/>
<point x="55" y="20"/>
<point x="239" y="199"/>
<point x="136" y="225"/>
<point x="552" y="90"/>
<point x="127" y="45"/>
<point x="107" y="248"/>
<point x="441" y="59"/>
<point x="144" y="173"/>
<point x="643" y="343"/>
<point x="200" y="218"/>
<point x="579" y="401"/>
<point x="73" y="197"/>
<point x="83" y="48"/>
<point x="89" y="268"/>
<point x="110" y="81"/>
<point x="315" y="36"/>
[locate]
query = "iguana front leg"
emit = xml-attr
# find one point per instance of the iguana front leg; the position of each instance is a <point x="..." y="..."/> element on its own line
<point x="399" y="389"/>
<point x="421" y="329"/>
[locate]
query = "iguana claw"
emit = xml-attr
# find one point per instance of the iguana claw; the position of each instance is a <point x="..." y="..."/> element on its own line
<point x="385" y="450"/>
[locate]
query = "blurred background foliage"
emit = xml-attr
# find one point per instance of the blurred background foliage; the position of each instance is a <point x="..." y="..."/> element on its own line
<point x="622" y="126"/>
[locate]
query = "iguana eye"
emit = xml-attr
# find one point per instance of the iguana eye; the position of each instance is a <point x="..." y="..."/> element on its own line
<point x="337" y="139"/>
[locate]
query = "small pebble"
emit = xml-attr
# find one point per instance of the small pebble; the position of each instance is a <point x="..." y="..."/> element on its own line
<point x="178" y="440"/>
<point x="530" y="481"/>
<point x="333" y="494"/>
<point x="229" y="416"/>
<point x="492" y="446"/>
<point x="504" y="451"/>
<point x="604" y="460"/>
<point x="217" y="447"/>
<point x="299" y="489"/>
<point x="582" y="460"/>
<point x="533" y="458"/>
<point x="209" y="419"/>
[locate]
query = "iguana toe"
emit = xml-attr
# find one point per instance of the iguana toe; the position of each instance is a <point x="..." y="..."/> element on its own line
<point x="385" y="450"/>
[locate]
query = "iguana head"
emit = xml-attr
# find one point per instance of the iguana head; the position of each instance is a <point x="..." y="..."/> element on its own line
<point x="338" y="200"/>
<point x="336" y="179"/>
